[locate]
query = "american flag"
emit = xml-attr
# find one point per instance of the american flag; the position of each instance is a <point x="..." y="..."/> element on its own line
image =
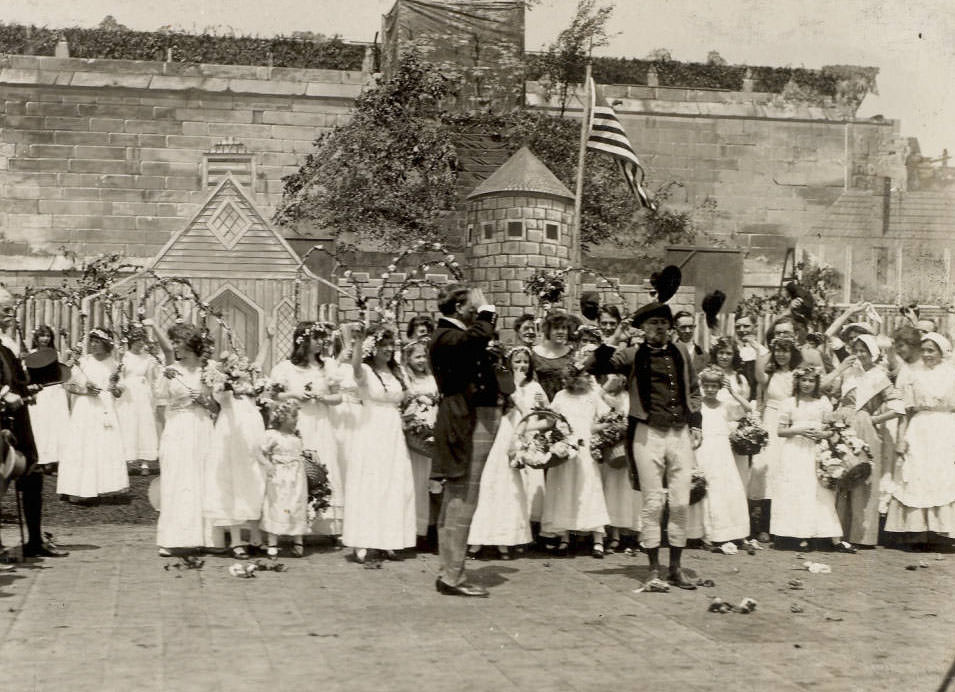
<point x="608" y="135"/>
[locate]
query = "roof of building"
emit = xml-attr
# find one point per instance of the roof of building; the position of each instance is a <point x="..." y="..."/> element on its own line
<point x="912" y="214"/>
<point x="522" y="173"/>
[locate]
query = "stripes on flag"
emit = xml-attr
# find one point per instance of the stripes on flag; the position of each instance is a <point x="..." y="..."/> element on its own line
<point x="607" y="135"/>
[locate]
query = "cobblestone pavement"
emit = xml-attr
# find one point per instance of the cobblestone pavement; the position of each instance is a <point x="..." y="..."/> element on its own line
<point x="110" y="617"/>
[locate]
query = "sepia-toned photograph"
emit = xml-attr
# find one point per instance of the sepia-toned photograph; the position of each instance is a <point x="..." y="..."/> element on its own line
<point x="477" y="345"/>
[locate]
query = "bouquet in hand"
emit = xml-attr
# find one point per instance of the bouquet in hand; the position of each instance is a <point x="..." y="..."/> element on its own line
<point x="543" y="447"/>
<point x="319" y="489"/>
<point x="612" y="429"/>
<point x="842" y="458"/>
<point x="749" y="437"/>
<point x="418" y="414"/>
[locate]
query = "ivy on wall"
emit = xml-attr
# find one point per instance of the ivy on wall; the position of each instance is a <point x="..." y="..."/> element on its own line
<point x="692" y="75"/>
<point x="124" y="44"/>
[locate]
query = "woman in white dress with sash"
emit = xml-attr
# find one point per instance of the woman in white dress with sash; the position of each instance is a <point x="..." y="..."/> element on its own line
<point x="184" y="404"/>
<point x="379" y="493"/>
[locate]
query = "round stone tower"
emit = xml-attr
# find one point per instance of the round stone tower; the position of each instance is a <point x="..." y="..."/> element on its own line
<point x="519" y="220"/>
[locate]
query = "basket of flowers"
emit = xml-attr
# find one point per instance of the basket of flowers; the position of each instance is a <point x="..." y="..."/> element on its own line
<point x="842" y="458"/>
<point x="697" y="486"/>
<point x="608" y="441"/>
<point x="418" y="414"/>
<point x="542" y="440"/>
<point x="319" y="489"/>
<point x="750" y="437"/>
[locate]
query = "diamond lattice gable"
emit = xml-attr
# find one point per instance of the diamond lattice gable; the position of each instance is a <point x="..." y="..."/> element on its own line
<point x="227" y="236"/>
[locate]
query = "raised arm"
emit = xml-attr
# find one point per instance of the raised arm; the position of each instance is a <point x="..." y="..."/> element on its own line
<point x="164" y="344"/>
<point x="265" y="345"/>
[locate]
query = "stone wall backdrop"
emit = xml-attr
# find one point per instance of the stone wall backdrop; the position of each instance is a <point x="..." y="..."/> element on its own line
<point x="107" y="155"/>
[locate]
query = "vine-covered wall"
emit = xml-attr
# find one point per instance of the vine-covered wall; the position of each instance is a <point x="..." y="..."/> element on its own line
<point x="124" y="44"/>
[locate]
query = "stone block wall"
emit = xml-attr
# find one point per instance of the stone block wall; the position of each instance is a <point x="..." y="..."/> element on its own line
<point x="772" y="167"/>
<point x="500" y="262"/>
<point x="106" y="155"/>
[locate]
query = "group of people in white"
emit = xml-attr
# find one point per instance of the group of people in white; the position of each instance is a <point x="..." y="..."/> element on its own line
<point x="231" y="443"/>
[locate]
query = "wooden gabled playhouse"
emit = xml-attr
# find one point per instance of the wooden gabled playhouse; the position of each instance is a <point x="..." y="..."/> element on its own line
<point x="243" y="269"/>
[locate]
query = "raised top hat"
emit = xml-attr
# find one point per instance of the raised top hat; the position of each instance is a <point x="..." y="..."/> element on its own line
<point x="666" y="282"/>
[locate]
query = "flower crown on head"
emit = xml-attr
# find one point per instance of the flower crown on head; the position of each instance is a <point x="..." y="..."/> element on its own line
<point x="806" y="371"/>
<point x="374" y="337"/>
<point x="100" y="334"/>
<point x="711" y="373"/>
<point x="318" y="330"/>
<point x="782" y="340"/>
<point x="516" y="349"/>
<point x="282" y="411"/>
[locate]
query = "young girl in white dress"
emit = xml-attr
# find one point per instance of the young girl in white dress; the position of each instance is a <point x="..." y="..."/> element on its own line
<point x="502" y="517"/>
<point x="574" y="496"/>
<point x="135" y="407"/>
<point x="623" y="502"/>
<point x="775" y="379"/>
<point x="379" y="493"/>
<point x="419" y="379"/>
<point x="50" y="415"/>
<point x="723" y="511"/>
<point x="234" y="479"/>
<point x="803" y="508"/>
<point x="309" y="379"/>
<point x="285" y="509"/>
<point x="184" y="405"/>
<point x="725" y="355"/>
<point x="93" y="462"/>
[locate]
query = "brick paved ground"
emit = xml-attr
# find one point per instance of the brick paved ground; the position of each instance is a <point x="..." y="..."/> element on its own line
<point x="109" y="617"/>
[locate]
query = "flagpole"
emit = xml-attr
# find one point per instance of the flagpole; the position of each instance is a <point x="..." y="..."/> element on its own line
<point x="575" y="248"/>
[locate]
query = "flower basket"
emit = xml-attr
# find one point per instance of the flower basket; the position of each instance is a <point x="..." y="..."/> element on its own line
<point x="842" y="459"/>
<point x="697" y="487"/>
<point x="749" y="438"/>
<point x="420" y="444"/>
<point x="608" y="444"/>
<point x="616" y="456"/>
<point x="315" y="472"/>
<point x="542" y="449"/>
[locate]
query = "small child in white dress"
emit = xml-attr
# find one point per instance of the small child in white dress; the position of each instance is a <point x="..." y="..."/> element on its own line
<point x="623" y="502"/>
<point x="803" y="507"/>
<point x="723" y="512"/>
<point x="502" y="517"/>
<point x="285" y="508"/>
<point x="574" y="496"/>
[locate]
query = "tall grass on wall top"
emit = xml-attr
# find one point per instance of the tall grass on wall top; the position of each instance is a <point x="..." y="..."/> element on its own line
<point x="124" y="44"/>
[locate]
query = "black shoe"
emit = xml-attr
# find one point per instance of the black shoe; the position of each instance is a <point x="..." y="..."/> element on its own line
<point x="679" y="580"/>
<point x="460" y="590"/>
<point x="43" y="551"/>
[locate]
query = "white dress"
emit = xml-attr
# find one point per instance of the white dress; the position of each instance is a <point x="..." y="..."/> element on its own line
<point x="741" y="387"/>
<point x="183" y="449"/>
<point x="136" y="408"/>
<point x="379" y="494"/>
<point x="923" y="488"/>
<point x="421" y="464"/>
<point x="762" y="472"/>
<point x="284" y="510"/>
<point x="802" y="506"/>
<point x="574" y="496"/>
<point x="724" y="510"/>
<point x="623" y="502"/>
<point x="50" y="419"/>
<point x="234" y="479"/>
<point x="317" y="431"/>
<point x="93" y="462"/>
<point x="345" y="416"/>
<point x="502" y="516"/>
